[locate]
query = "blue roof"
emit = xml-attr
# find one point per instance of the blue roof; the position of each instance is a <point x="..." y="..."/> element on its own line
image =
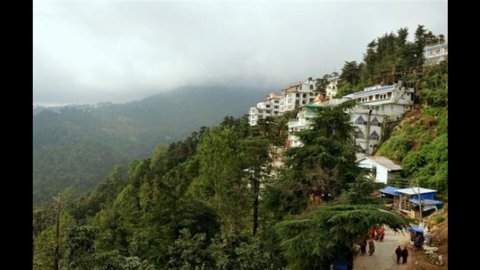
<point x="426" y="202"/>
<point x="415" y="229"/>
<point x="390" y="190"/>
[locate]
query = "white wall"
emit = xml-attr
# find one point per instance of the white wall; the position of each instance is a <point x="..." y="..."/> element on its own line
<point x="382" y="174"/>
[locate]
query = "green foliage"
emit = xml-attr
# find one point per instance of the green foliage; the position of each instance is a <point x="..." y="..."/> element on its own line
<point x="438" y="219"/>
<point x="434" y="86"/>
<point x="315" y="240"/>
<point x="220" y="180"/>
<point x="350" y="75"/>
<point x="259" y="253"/>
<point x="78" y="146"/>
<point x="326" y="162"/>
<point x="190" y="252"/>
<point x="214" y="200"/>
<point x="360" y="191"/>
<point x="274" y="129"/>
<point x="44" y="242"/>
<point x="421" y="141"/>
<point x="397" y="146"/>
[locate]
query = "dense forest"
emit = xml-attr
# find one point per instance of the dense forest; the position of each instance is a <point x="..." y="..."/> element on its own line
<point x="77" y="146"/>
<point x="217" y="199"/>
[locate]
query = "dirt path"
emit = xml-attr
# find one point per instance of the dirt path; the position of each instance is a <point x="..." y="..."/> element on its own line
<point x="384" y="257"/>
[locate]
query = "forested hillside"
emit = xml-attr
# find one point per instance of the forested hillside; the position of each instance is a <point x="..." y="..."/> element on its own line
<point x="78" y="145"/>
<point x="420" y="141"/>
<point x="214" y="201"/>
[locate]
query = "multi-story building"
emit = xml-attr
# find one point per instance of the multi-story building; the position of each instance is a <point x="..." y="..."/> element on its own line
<point x="435" y="54"/>
<point x="304" y="117"/>
<point x="375" y="105"/>
<point x="298" y="94"/>
<point x="331" y="89"/>
<point x="301" y="122"/>
<point x="270" y="106"/>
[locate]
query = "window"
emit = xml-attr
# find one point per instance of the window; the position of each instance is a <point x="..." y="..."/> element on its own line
<point x="374" y="136"/>
<point x="311" y="87"/>
<point x="275" y="107"/>
<point x="297" y="95"/>
<point x="304" y="95"/>
<point x="375" y="122"/>
<point x="359" y="134"/>
<point x="360" y="121"/>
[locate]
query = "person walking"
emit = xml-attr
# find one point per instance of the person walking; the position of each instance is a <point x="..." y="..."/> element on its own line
<point x="398" y="252"/>
<point x="363" y="247"/>
<point x="372" y="232"/>
<point x="380" y="233"/>
<point x="371" y="247"/>
<point x="404" y="255"/>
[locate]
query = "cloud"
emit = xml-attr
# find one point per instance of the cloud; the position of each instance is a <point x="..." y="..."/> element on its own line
<point x="93" y="51"/>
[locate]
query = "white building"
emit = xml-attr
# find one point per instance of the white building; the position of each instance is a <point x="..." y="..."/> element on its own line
<point x="435" y="54"/>
<point x="304" y="117"/>
<point x="270" y="106"/>
<point x="298" y="94"/>
<point x="301" y="122"/>
<point x="375" y="105"/>
<point x="332" y="88"/>
<point x="382" y="166"/>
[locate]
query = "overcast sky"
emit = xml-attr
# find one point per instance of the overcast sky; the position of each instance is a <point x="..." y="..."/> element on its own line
<point x="111" y="50"/>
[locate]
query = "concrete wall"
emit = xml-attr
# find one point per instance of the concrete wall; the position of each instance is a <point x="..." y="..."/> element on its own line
<point x="382" y="174"/>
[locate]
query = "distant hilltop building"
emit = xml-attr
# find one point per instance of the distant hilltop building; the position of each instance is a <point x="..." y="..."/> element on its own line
<point x="298" y="94"/>
<point x="332" y="88"/>
<point x="270" y="106"/>
<point x="293" y="96"/>
<point x="434" y="54"/>
<point x="375" y="105"/>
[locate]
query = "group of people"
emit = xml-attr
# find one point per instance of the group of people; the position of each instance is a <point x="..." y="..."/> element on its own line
<point x="378" y="234"/>
<point x="401" y="253"/>
<point x="363" y="247"/>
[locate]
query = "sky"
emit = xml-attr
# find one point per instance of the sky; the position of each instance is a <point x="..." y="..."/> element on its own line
<point x="90" y="51"/>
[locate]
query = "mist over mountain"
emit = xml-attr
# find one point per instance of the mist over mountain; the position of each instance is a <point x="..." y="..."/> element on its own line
<point x="77" y="145"/>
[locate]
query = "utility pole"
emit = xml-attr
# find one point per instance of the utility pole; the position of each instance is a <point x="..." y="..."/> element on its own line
<point x="419" y="198"/>
<point x="57" y="234"/>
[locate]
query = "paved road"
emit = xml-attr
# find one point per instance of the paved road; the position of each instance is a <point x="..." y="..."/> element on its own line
<point x="384" y="257"/>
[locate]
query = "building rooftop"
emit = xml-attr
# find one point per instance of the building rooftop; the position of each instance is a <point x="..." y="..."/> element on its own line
<point x="376" y="102"/>
<point x="415" y="190"/>
<point x="440" y="45"/>
<point x="371" y="91"/>
<point x="385" y="162"/>
<point x="390" y="190"/>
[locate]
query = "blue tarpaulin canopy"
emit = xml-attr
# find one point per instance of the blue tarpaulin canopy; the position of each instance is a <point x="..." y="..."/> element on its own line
<point x="340" y="265"/>
<point x="426" y="202"/>
<point x="415" y="229"/>
<point x="390" y="191"/>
